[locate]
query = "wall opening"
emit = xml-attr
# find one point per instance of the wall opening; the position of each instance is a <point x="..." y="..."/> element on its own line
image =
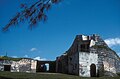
<point x="43" y="68"/>
<point x="47" y="67"/>
<point x="93" y="70"/>
<point x="7" y="67"/>
<point x="84" y="47"/>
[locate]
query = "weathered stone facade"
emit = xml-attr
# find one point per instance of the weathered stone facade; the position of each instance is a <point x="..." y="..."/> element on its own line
<point x="26" y="65"/>
<point x="88" y="56"/>
<point x="23" y="65"/>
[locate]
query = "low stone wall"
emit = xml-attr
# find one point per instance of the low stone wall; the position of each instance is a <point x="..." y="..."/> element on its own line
<point x="24" y="65"/>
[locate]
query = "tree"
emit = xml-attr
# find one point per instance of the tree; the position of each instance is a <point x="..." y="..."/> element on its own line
<point x="32" y="13"/>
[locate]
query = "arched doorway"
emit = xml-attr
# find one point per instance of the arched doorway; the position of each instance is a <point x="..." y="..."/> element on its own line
<point x="93" y="70"/>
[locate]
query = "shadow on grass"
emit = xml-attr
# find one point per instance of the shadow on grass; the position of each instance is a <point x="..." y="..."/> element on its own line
<point x="5" y="77"/>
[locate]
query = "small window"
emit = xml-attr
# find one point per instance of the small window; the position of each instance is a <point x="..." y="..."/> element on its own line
<point x="85" y="48"/>
<point x="7" y="67"/>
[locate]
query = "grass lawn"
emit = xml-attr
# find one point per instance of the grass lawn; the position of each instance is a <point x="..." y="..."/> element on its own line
<point x="18" y="75"/>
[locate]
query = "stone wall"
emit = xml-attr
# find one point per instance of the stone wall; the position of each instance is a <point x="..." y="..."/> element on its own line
<point x="4" y="62"/>
<point x="73" y="64"/>
<point x="86" y="59"/>
<point x="24" y="65"/>
<point x="89" y="56"/>
<point x="46" y="66"/>
<point x="109" y="58"/>
<point x="62" y="64"/>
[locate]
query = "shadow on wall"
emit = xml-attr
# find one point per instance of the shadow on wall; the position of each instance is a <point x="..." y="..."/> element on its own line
<point x="46" y="66"/>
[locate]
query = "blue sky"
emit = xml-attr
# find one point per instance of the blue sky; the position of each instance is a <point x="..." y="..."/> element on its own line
<point x="65" y="21"/>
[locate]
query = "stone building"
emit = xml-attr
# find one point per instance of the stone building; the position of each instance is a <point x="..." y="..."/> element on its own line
<point x="89" y="56"/>
<point x="22" y="65"/>
<point x="26" y="65"/>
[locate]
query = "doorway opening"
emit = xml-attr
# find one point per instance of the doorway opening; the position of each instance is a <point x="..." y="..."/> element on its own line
<point x="93" y="70"/>
<point x="47" y="67"/>
<point x="7" y="67"/>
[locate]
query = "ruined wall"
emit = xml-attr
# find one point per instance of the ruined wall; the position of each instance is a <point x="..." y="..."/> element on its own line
<point x="107" y="57"/>
<point x="89" y="53"/>
<point x="46" y="66"/>
<point x="62" y="64"/>
<point x="110" y="60"/>
<point x="58" y="65"/>
<point x="52" y="67"/>
<point x="4" y="62"/>
<point x="85" y="61"/>
<point x="33" y="66"/>
<point x="24" y="65"/>
<point x="73" y="64"/>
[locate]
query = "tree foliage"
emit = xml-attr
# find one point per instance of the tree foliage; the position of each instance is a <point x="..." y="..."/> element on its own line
<point x="32" y="13"/>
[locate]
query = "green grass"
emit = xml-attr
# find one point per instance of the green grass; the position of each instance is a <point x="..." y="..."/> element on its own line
<point x="15" y="75"/>
<point x="9" y="58"/>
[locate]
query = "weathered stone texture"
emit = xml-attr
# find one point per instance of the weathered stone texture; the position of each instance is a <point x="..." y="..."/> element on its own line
<point x="85" y="61"/>
<point x="24" y="65"/>
<point x="73" y="64"/>
<point x="89" y="56"/>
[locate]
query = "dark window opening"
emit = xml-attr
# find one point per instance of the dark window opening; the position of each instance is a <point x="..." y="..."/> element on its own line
<point x="85" y="48"/>
<point x="7" y="67"/>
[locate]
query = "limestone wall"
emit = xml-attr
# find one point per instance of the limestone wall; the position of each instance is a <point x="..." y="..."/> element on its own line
<point x="111" y="61"/>
<point x="107" y="57"/>
<point x="4" y="62"/>
<point x="33" y="66"/>
<point x="24" y="65"/>
<point x="85" y="61"/>
<point x="87" y="52"/>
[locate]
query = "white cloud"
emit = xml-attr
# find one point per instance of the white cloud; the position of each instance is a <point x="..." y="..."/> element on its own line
<point x="14" y="56"/>
<point x="33" y="49"/>
<point x="26" y="56"/>
<point x="112" y="41"/>
<point x="39" y="58"/>
<point x="118" y="54"/>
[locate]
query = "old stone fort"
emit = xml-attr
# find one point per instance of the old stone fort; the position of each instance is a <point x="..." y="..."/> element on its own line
<point x="88" y="56"/>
